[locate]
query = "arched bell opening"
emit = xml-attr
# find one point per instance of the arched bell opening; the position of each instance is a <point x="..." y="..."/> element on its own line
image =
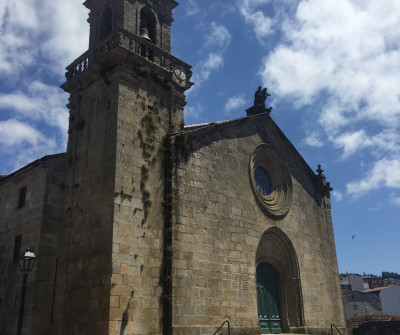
<point x="106" y="23"/>
<point x="276" y="259"/>
<point x="148" y="25"/>
<point x="148" y="28"/>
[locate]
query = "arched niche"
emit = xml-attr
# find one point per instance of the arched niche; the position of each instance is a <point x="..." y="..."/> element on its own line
<point x="276" y="249"/>
<point x="106" y="23"/>
<point x="148" y="21"/>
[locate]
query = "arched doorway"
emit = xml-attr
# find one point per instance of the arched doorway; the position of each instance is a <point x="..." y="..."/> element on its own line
<point x="278" y="272"/>
<point x="268" y="304"/>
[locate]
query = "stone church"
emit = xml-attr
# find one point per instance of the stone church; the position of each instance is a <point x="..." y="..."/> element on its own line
<point x="147" y="226"/>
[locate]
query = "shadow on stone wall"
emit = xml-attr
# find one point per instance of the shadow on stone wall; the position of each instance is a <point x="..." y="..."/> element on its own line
<point x="378" y="328"/>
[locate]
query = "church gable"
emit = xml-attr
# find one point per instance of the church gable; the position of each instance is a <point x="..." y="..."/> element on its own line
<point x="244" y="135"/>
<point x="229" y="221"/>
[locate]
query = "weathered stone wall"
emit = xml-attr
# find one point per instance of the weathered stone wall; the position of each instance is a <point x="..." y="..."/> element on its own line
<point x="114" y="199"/>
<point x="37" y="222"/>
<point x="146" y="112"/>
<point x="85" y="265"/>
<point x="218" y="225"/>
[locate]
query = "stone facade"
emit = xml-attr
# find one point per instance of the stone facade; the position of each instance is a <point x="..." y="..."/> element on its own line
<point x="150" y="227"/>
<point x="36" y="225"/>
<point x="222" y="233"/>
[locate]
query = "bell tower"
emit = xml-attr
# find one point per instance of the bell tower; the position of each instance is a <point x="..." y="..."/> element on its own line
<point x="126" y="97"/>
<point x="150" y="19"/>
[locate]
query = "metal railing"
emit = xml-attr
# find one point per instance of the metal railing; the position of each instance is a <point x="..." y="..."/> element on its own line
<point x="222" y="325"/>
<point x="333" y="326"/>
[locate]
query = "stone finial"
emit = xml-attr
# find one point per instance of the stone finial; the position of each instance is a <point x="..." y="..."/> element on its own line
<point x="260" y="96"/>
<point x="322" y="177"/>
<point x="319" y="171"/>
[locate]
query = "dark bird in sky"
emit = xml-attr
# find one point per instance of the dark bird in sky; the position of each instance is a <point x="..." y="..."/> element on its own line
<point x="353" y="237"/>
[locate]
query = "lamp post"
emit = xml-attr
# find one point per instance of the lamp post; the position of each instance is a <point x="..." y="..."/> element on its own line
<point x="26" y="262"/>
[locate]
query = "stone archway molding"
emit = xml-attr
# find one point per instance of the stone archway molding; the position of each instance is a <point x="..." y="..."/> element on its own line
<point x="276" y="249"/>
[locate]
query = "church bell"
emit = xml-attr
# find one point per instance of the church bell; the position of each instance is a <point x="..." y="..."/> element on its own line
<point x="145" y="34"/>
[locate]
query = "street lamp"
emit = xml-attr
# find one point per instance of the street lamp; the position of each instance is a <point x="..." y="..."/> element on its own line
<point x="26" y="262"/>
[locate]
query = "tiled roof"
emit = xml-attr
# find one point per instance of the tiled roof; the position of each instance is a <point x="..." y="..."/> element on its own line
<point x="360" y="319"/>
<point x="378" y="289"/>
<point x="349" y="275"/>
<point x="372" y="278"/>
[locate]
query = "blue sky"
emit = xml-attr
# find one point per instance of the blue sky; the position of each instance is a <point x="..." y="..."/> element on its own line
<point x="332" y="68"/>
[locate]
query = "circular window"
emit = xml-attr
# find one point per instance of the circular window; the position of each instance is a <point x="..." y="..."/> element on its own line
<point x="271" y="180"/>
<point x="263" y="183"/>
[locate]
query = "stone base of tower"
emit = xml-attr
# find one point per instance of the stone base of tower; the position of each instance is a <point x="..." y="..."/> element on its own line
<point x="211" y="330"/>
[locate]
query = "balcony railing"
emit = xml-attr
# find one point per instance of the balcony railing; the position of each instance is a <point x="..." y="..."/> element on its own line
<point x="123" y="38"/>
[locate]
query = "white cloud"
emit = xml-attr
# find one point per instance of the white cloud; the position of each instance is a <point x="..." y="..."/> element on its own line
<point x="192" y="8"/>
<point x="41" y="28"/>
<point x="314" y="140"/>
<point x="212" y="63"/>
<point x="218" y="36"/>
<point x="43" y="130"/>
<point x="261" y="24"/>
<point x="386" y="142"/>
<point x="38" y="102"/>
<point x="395" y="199"/>
<point x="38" y="39"/>
<point x="21" y="143"/>
<point x="384" y="173"/>
<point x="22" y="13"/>
<point x="338" y="48"/>
<point x="3" y="5"/>
<point x="351" y="142"/>
<point x="193" y="112"/>
<point x="333" y="116"/>
<point x="338" y="196"/>
<point x="297" y="72"/>
<point x="217" y="41"/>
<point x="70" y="38"/>
<point x="14" y="133"/>
<point x="234" y="103"/>
<point x="344" y="57"/>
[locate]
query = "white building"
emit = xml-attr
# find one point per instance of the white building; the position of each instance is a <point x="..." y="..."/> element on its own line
<point x="389" y="297"/>
<point x="390" y="300"/>
<point x="352" y="283"/>
<point x="357" y="303"/>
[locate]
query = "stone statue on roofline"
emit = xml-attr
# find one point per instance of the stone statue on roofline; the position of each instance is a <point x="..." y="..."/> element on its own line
<point x="260" y="96"/>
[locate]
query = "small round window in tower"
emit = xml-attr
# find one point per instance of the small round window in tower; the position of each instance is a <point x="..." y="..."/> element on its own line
<point x="271" y="180"/>
<point x="263" y="183"/>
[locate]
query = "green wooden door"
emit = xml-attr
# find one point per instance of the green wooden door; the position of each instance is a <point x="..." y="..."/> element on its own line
<point x="268" y="299"/>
